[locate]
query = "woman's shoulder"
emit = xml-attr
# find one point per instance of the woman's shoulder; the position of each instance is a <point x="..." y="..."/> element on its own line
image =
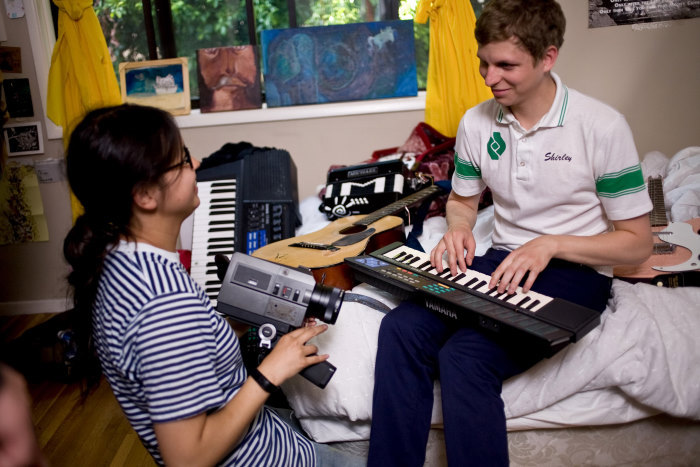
<point x="154" y="267"/>
<point x="143" y="284"/>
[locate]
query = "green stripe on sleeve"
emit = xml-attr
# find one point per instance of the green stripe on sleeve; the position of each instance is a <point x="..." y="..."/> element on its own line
<point x="624" y="182"/>
<point x="466" y="170"/>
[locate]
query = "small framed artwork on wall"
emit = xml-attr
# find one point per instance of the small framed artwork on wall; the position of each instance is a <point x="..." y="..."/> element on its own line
<point x="158" y="83"/>
<point x="23" y="139"/>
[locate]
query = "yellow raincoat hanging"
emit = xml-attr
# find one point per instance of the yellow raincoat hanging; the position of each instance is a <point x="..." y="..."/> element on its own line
<point x="81" y="77"/>
<point x="454" y="83"/>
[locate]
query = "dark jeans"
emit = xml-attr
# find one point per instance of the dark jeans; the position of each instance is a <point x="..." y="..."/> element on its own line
<point x="416" y="347"/>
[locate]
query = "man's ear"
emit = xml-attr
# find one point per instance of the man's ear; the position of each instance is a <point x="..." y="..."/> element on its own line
<point x="145" y="197"/>
<point x="550" y="57"/>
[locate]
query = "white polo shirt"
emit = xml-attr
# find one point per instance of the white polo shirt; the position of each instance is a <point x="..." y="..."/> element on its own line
<point x="572" y="173"/>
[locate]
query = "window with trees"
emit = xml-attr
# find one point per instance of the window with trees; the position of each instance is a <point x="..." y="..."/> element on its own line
<point x="156" y="29"/>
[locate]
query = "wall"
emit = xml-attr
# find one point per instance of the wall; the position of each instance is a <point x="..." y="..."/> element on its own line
<point x="314" y="144"/>
<point x="32" y="275"/>
<point x="650" y="73"/>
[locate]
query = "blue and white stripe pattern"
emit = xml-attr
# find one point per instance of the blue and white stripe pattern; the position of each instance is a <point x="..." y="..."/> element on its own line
<point x="168" y="356"/>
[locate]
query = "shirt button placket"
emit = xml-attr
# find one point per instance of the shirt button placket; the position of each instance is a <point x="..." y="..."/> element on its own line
<point x="524" y="150"/>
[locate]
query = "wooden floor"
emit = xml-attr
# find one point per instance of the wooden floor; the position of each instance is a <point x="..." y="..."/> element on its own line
<point x="72" y="432"/>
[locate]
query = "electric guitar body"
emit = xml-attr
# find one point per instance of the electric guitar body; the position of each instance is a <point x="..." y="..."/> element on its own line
<point x="676" y="245"/>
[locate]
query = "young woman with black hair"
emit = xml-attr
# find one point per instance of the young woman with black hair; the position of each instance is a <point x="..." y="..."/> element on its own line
<point x="174" y="365"/>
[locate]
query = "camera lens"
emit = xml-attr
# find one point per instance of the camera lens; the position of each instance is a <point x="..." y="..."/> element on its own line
<point x="325" y="302"/>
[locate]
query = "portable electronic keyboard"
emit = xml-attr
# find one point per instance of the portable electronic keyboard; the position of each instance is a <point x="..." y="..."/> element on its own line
<point x="544" y="323"/>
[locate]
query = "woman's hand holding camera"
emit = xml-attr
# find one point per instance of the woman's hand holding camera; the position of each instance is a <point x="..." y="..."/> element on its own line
<point x="292" y="354"/>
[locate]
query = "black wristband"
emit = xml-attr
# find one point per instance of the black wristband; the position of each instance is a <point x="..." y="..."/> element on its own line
<point x="262" y="381"/>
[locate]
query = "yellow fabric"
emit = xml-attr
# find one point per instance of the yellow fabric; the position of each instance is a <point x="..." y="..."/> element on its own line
<point x="81" y="77"/>
<point x="454" y="83"/>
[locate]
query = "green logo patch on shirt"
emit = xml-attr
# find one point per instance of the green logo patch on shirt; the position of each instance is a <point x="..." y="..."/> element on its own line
<point x="496" y="146"/>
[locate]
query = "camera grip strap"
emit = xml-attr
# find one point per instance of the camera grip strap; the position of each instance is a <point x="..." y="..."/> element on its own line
<point x="367" y="301"/>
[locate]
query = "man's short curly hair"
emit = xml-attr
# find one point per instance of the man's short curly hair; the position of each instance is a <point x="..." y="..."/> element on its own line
<point x="536" y="24"/>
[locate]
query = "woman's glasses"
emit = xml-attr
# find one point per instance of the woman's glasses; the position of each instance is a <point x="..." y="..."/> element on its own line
<point x="187" y="159"/>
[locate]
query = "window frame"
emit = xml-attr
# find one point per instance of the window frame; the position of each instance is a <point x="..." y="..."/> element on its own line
<point x="40" y="27"/>
<point x="42" y="39"/>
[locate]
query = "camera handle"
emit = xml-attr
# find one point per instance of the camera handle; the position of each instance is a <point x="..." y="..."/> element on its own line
<point x="318" y="373"/>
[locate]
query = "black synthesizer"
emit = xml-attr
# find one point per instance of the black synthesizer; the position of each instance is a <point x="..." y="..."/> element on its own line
<point x="244" y="205"/>
<point x="544" y="324"/>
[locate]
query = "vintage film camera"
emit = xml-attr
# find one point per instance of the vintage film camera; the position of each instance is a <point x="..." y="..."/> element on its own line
<point x="276" y="299"/>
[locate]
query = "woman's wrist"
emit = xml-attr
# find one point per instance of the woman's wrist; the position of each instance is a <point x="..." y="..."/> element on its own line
<point x="262" y="381"/>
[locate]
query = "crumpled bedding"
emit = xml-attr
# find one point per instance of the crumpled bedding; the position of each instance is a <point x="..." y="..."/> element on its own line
<point x="681" y="181"/>
<point x="642" y="360"/>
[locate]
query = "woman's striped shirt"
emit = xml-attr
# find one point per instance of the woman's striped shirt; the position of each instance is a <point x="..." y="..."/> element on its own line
<point x="169" y="356"/>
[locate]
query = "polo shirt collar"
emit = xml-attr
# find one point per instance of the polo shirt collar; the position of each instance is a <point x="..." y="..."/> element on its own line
<point x="553" y="118"/>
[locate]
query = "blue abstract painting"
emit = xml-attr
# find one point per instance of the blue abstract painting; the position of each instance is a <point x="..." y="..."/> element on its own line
<point x="320" y="64"/>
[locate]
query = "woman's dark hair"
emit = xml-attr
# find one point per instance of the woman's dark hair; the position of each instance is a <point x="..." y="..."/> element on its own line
<point x="112" y="152"/>
<point x="536" y="24"/>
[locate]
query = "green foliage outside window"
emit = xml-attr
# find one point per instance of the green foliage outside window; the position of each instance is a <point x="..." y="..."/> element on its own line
<point x="212" y="23"/>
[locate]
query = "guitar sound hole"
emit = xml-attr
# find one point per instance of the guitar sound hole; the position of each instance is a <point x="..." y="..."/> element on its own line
<point x="353" y="229"/>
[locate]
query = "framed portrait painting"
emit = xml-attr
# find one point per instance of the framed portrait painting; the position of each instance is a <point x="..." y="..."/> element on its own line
<point x="23" y="139"/>
<point x="159" y="83"/>
<point x="228" y="78"/>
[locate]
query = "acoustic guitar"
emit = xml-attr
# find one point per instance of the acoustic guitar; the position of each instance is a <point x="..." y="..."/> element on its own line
<point x="324" y="251"/>
<point x="676" y="245"/>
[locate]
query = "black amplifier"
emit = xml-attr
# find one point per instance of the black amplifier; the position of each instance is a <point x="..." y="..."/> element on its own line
<point x="364" y="188"/>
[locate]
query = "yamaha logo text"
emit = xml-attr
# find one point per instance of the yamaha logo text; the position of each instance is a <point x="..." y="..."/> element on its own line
<point x="435" y="306"/>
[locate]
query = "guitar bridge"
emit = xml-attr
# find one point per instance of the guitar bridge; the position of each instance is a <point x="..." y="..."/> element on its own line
<point x="314" y="246"/>
<point x="663" y="249"/>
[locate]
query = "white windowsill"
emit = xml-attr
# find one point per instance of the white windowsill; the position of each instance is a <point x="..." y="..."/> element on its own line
<point x="299" y="112"/>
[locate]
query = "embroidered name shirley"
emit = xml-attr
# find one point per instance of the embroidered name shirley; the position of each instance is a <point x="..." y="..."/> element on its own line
<point x="551" y="156"/>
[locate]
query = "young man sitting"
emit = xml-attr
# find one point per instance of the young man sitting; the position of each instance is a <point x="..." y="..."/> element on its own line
<point x="570" y="202"/>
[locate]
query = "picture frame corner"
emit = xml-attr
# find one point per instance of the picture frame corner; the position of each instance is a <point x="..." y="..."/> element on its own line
<point x="33" y="125"/>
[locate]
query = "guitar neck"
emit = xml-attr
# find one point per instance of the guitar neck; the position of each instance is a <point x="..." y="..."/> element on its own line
<point x="656" y="193"/>
<point x="399" y="205"/>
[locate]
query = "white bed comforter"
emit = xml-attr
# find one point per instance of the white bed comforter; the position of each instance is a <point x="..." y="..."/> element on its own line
<point x="643" y="359"/>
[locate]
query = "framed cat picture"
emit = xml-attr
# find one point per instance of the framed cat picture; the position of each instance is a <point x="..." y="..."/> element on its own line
<point x="159" y="83"/>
